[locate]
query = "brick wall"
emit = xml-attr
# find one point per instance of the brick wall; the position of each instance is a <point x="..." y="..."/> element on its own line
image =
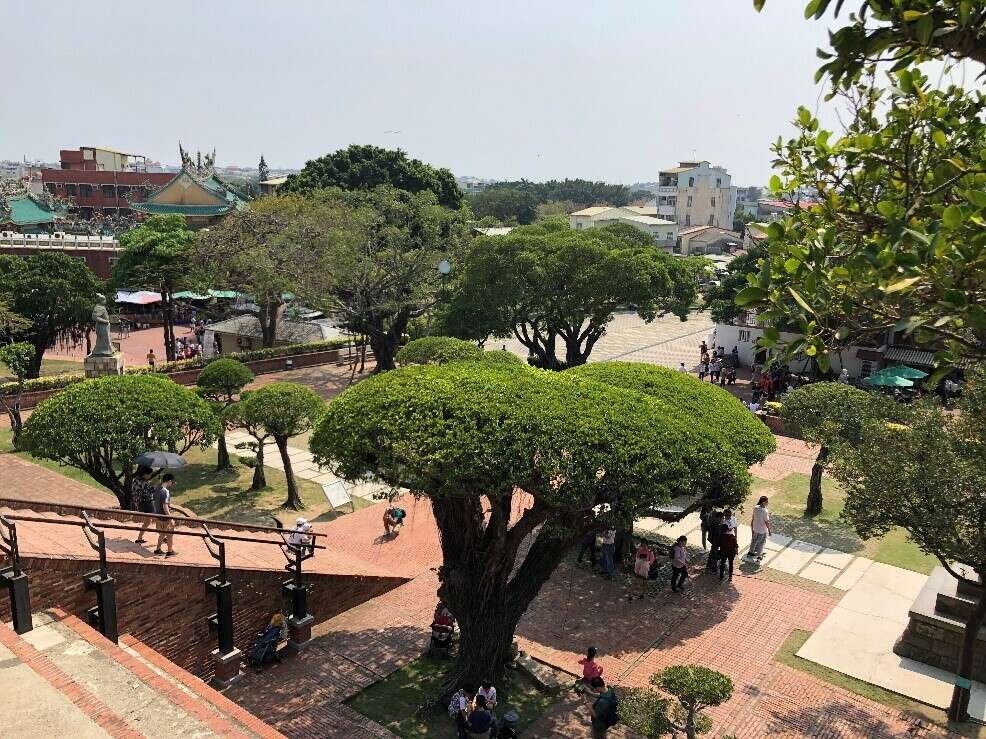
<point x="166" y="606"/>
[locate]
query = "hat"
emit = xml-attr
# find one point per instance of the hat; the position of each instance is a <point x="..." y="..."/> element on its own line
<point x="301" y="523"/>
<point x="510" y="718"/>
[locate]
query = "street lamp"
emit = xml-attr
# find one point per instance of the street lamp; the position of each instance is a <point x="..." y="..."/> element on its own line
<point x="444" y="267"/>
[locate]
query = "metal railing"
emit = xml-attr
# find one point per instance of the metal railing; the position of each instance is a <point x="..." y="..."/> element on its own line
<point x="103" y="616"/>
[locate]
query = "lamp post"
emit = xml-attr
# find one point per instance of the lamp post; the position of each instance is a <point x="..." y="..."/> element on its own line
<point x="444" y="267"/>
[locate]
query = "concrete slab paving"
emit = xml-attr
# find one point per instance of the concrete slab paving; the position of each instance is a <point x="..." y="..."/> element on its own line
<point x="687" y="526"/>
<point x="858" y="636"/>
<point x="324" y="478"/>
<point x="650" y="525"/>
<point x="794" y="556"/>
<point x="819" y="572"/>
<point x="834" y="558"/>
<point x="852" y="574"/>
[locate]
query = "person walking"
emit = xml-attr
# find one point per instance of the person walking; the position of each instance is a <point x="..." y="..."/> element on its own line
<point x="588" y="544"/>
<point x="705" y="521"/>
<point x="642" y="562"/>
<point x="760" y="523"/>
<point x="604" y="708"/>
<point x="679" y="564"/>
<point x="162" y="506"/>
<point x="608" y="540"/>
<point x="151" y="359"/>
<point x="703" y="350"/>
<point x="681" y="367"/>
<point x="728" y="546"/>
<point x="142" y="498"/>
<point x="458" y="709"/>
<point x="715" y="369"/>
<point x="715" y="531"/>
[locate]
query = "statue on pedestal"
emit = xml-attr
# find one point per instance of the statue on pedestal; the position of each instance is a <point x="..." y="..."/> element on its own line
<point x="101" y="317"/>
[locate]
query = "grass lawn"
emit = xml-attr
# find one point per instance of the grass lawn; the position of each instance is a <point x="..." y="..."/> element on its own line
<point x="48" y="367"/>
<point x="393" y="702"/>
<point x="787" y="655"/>
<point x="226" y="496"/>
<point x="787" y="505"/>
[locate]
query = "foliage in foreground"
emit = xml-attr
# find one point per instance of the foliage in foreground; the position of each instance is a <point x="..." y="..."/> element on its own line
<point x="445" y="349"/>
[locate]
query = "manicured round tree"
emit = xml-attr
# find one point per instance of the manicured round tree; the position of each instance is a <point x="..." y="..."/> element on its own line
<point x="437" y="350"/>
<point x="284" y="409"/>
<point x="100" y="426"/>
<point x="696" y="688"/>
<point x="500" y="356"/>
<point x="18" y="358"/>
<point x="829" y="414"/>
<point x="221" y="382"/>
<point x="507" y="456"/>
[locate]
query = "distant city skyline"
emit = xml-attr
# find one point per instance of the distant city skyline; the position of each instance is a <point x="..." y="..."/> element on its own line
<point x="602" y="90"/>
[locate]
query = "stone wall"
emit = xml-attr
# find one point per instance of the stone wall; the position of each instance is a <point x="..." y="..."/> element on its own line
<point x="166" y="606"/>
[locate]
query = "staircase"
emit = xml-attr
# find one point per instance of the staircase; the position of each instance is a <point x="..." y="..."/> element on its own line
<point x="63" y="678"/>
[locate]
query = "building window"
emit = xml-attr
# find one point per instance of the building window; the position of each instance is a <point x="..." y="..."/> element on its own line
<point x="718" y="183"/>
<point x="713" y="202"/>
<point x="688" y="219"/>
<point x="578" y="225"/>
<point x="85" y="213"/>
<point x="112" y="261"/>
<point x="691" y="182"/>
<point x="72" y="190"/>
<point x="670" y="235"/>
<point x="51" y="187"/>
<point x="109" y="211"/>
<point x="85" y="191"/>
<point x="866" y="368"/>
<point x="123" y="190"/>
<point x="689" y="204"/>
<point x="108" y="191"/>
<point x="711" y="219"/>
<point x="744" y="334"/>
<point x="124" y="212"/>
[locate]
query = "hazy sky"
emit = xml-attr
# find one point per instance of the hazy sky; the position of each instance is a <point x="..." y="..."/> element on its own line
<point x="607" y="90"/>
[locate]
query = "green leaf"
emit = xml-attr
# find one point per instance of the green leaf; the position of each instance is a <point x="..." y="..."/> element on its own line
<point x="939" y="137"/>
<point x="812" y="8"/>
<point x="886" y="209"/>
<point x="799" y="299"/>
<point x="977" y="198"/>
<point x="791" y="265"/>
<point x="775" y="183"/>
<point x="804" y="116"/>
<point x="913" y="15"/>
<point x="952" y="216"/>
<point x="750" y="296"/>
<point x="775" y="231"/>
<point x="758" y="5"/>
<point x="896" y="287"/>
<point x="906" y="80"/>
<point x="925" y="27"/>
<point x="842" y="333"/>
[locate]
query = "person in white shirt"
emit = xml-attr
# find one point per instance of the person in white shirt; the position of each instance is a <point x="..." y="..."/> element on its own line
<point x="608" y="541"/>
<point x="681" y="367"/>
<point x="488" y="691"/>
<point x="760" y="523"/>
<point x="754" y="407"/>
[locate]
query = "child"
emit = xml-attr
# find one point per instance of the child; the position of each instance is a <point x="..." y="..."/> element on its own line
<point x="641" y="569"/>
<point x="590" y="668"/>
<point x="679" y="564"/>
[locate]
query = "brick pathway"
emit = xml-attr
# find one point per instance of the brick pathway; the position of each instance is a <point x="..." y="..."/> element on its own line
<point x="23" y="480"/>
<point x="134" y="346"/>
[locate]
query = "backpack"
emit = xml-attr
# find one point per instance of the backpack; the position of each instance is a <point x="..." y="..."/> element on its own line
<point x="612" y="717"/>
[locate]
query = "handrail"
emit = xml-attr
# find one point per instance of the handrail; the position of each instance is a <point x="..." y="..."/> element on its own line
<point x="190" y="519"/>
<point x="123" y="527"/>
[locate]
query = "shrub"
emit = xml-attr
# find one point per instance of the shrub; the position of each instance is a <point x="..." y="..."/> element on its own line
<point x="437" y="350"/>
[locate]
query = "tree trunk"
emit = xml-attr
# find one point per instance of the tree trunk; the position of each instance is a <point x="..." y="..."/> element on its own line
<point x="384" y="349"/>
<point x="169" y="325"/>
<point x="691" y="730"/>
<point x="958" y="709"/>
<point x="40" y="343"/>
<point x="269" y="315"/>
<point x="480" y="580"/>
<point x="259" y="478"/>
<point x="222" y="461"/>
<point x="294" y="499"/>
<point x="814" y="504"/>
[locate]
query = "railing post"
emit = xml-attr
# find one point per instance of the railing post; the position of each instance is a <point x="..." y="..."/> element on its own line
<point x="15" y="580"/>
<point x="103" y="615"/>
<point x="300" y="621"/>
<point x="226" y="657"/>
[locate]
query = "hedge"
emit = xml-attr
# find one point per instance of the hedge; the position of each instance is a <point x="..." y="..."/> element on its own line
<point x="56" y="382"/>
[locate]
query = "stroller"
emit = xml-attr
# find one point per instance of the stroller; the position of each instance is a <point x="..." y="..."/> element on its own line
<point x="264" y="649"/>
<point x="442" y="632"/>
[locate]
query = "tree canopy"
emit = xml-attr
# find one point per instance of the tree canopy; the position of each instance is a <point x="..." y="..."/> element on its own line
<point x="360" y="167"/>
<point x="100" y="426"/>
<point x="505" y="453"/>
<point x="552" y="287"/>
<point x="898" y="31"/>
<point x="18" y="357"/>
<point x="897" y="241"/>
<point x="52" y="290"/>
<point x="720" y="300"/>
<point x="579" y="192"/>
<point x="506" y="205"/>
<point x="221" y="382"/>
<point x="283" y="409"/>
<point x="156" y="255"/>
<point x="445" y="349"/>
<point x="696" y="688"/>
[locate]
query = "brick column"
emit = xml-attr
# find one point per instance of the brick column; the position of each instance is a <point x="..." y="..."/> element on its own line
<point x="300" y="632"/>
<point x="227" y="667"/>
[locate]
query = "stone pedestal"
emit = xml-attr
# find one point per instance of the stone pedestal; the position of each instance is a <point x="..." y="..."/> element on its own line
<point x="227" y="668"/>
<point x="300" y="632"/>
<point x="103" y="366"/>
<point x="936" y="628"/>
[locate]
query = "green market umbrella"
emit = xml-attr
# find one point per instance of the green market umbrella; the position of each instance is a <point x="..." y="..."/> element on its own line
<point x="903" y="371"/>
<point x="189" y="295"/>
<point x="879" y="380"/>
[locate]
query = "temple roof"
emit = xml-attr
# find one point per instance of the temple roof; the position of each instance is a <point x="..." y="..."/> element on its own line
<point x="214" y="197"/>
<point x="25" y="211"/>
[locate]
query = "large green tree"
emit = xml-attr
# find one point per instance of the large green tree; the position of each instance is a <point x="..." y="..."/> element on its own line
<point x="157" y="256"/>
<point x="359" y="167"/>
<point x="555" y="288"/>
<point x="517" y="464"/>
<point x="506" y="205"/>
<point x="221" y="382"/>
<point x="101" y="426"/>
<point x="578" y="191"/>
<point x="18" y="358"/>
<point x="283" y="409"/>
<point x="720" y="300"/>
<point x="928" y="477"/>
<point x="898" y="31"/>
<point x="52" y="290"/>
<point x="897" y="242"/>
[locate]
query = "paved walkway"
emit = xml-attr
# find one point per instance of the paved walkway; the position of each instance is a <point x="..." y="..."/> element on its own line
<point x="24" y="480"/>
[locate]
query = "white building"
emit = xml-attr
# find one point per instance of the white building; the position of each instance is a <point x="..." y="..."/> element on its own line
<point x="664" y="233"/>
<point x="696" y="194"/>
<point x="707" y="240"/>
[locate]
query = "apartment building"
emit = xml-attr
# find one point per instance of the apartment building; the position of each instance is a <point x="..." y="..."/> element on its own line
<point x="696" y="194"/>
<point x="664" y="232"/>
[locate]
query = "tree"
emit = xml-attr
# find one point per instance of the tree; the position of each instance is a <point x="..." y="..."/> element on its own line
<point x="237" y="418"/>
<point x="579" y="192"/>
<point x="549" y="285"/>
<point x="368" y="167"/>
<point x="52" y="290"/>
<point x="928" y="477"/>
<point x="445" y="349"/>
<point x="829" y="413"/>
<point x="720" y="299"/>
<point x="101" y="426"/>
<point x="10" y="322"/>
<point x="896" y="243"/>
<point x="263" y="171"/>
<point x="505" y="205"/>
<point x="380" y="252"/>
<point x="517" y="465"/>
<point x="18" y="358"/>
<point x="696" y="688"/>
<point x="645" y="713"/>
<point x="259" y="252"/>
<point x="901" y="31"/>
<point x="156" y="255"/>
<point x="283" y="409"/>
<point x="220" y="382"/>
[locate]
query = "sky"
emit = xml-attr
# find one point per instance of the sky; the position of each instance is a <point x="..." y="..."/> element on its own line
<point x="610" y="90"/>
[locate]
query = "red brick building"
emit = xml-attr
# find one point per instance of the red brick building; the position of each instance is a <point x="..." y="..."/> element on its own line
<point x="98" y="252"/>
<point x="100" y="181"/>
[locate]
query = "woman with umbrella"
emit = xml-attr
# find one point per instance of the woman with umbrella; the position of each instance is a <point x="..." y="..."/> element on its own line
<point x="145" y="493"/>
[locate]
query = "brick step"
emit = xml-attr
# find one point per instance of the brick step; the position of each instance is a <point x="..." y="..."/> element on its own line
<point x="124" y="691"/>
<point x="959" y="604"/>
